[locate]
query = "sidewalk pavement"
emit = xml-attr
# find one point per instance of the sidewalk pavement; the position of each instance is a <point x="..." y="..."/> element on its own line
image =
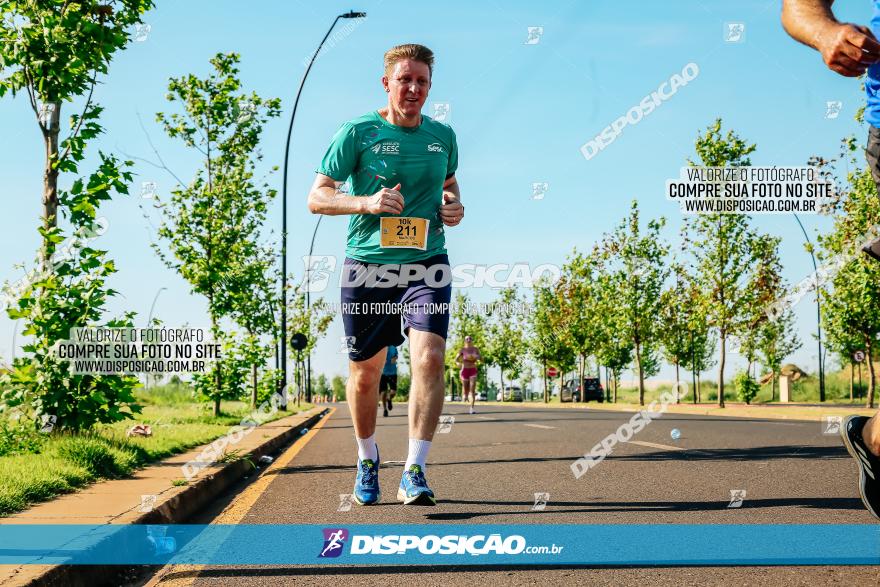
<point x="148" y="497"/>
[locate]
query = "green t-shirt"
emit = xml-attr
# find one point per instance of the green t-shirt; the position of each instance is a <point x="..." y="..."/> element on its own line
<point x="371" y="153"/>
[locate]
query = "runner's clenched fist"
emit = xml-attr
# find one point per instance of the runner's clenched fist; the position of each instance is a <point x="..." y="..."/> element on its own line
<point x="387" y="201"/>
<point x="452" y="211"/>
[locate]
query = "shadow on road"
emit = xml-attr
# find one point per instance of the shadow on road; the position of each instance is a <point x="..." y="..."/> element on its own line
<point x="823" y="503"/>
<point x="329" y="571"/>
<point x="762" y="453"/>
<point x="759" y="453"/>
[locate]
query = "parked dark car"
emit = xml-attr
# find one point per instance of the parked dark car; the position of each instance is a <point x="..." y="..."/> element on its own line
<point x="592" y="387"/>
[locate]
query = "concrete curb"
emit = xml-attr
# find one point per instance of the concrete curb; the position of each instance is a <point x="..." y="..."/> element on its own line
<point x="175" y="509"/>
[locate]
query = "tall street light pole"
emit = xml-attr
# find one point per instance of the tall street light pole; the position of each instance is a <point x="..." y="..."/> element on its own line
<point x="153" y="306"/>
<point x="309" y="310"/>
<point x="818" y="312"/>
<point x="349" y="14"/>
<point x="150" y="322"/>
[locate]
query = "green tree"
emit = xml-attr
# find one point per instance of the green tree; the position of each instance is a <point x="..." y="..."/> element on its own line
<point x="769" y="338"/>
<point x="852" y="299"/>
<point x="615" y="346"/>
<point x="556" y="336"/>
<point x="505" y="340"/>
<point x="639" y="269"/>
<point x="253" y="294"/>
<point x="764" y="287"/>
<point x="746" y="387"/>
<point x="578" y="301"/>
<point x="337" y="384"/>
<point x="722" y="247"/>
<point x="544" y="345"/>
<point x="321" y="385"/>
<point x="312" y="320"/>
<point x="403" y="384"/>
<point x="845" y="347"/>
<point x="230" y="369"/>
<point x="54" y="50"/>
<point x="211" y="225"/>
<point x="674" y="315"/>
<point x="777" y="339"/>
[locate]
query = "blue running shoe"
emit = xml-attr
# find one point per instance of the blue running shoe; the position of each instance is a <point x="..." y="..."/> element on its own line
<point x="414" y="489"/>
<point x="366" y="484"/>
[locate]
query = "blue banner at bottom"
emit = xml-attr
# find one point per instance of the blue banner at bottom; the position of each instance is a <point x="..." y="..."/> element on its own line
<point x="441" y="544"/>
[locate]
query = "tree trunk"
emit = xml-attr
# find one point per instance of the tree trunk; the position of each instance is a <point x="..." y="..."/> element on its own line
<point x="860" y="381"/>
<point x="616" y="380"/>
<point x="721" y="360"/>
<point x="546" y="389"/>
<point x="699" y="384"/>
<point x="677" y="399"/>
<point x="773" y="386"/>
<point x="607" y="384"/>
<point x="581" y="372"/>
<point x="851" y="378"/>
<point x="502" y="383"/>
<point x="50" y="177"/>
<point x="254" y="385"/>
<point x="869" y="348"/>
<point x="694" y="383"/>
<point x="217" y="375"/>
<point x="641" y="376"/>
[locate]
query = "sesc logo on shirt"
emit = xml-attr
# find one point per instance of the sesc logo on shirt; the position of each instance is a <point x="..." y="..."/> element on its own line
<point x="435" y="148"/>
<point x="386" y="148"/>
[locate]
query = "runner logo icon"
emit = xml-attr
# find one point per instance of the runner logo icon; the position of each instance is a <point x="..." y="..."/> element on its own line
<point x="334" y="541"/>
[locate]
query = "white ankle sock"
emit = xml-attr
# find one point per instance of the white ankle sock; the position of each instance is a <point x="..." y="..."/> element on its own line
<point x="367" y="448"/>
<point x="418" y="453"/>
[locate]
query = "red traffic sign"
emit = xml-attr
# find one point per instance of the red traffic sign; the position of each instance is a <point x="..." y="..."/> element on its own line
<point x="552" y="372"/>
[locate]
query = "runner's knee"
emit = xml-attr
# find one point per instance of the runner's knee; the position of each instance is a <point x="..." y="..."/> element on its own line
<point x="430" y="359"/>
<point x="364" y="380"/>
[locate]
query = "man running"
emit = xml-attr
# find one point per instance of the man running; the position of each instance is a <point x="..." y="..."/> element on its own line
<point x="850" y="50"/>
<point x="467" y="358"/>
<point x="388" y="381"/>
<point x="401" y="167"/>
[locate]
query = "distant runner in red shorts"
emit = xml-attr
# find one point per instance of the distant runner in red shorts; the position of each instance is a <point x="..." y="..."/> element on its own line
<point x="467" y="358"/>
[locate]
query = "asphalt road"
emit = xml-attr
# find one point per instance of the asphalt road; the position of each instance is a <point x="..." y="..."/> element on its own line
<point x="488" y="467"/>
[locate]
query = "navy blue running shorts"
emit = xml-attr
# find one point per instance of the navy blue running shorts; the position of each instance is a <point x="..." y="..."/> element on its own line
<point x="375" y="298"/>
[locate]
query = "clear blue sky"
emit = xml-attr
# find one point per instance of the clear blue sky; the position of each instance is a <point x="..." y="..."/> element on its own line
<point x="520" y="111"/>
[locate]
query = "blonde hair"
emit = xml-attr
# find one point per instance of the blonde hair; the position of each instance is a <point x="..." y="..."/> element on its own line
<point x="409" y="51"/>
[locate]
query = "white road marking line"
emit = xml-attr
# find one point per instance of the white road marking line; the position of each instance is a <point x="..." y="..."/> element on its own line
<point x="486" y="418"/>
<point x="541" y="426"/>
<point x="655" y="445"/>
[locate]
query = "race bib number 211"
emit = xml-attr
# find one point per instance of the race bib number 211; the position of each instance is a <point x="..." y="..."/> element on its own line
<point x="403" y="232"/>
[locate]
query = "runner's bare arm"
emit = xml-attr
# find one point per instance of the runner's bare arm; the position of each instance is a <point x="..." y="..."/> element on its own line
<point x="846" y="48"/>
<point x="325" y="198"/>
<point x="451" y="212"/>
